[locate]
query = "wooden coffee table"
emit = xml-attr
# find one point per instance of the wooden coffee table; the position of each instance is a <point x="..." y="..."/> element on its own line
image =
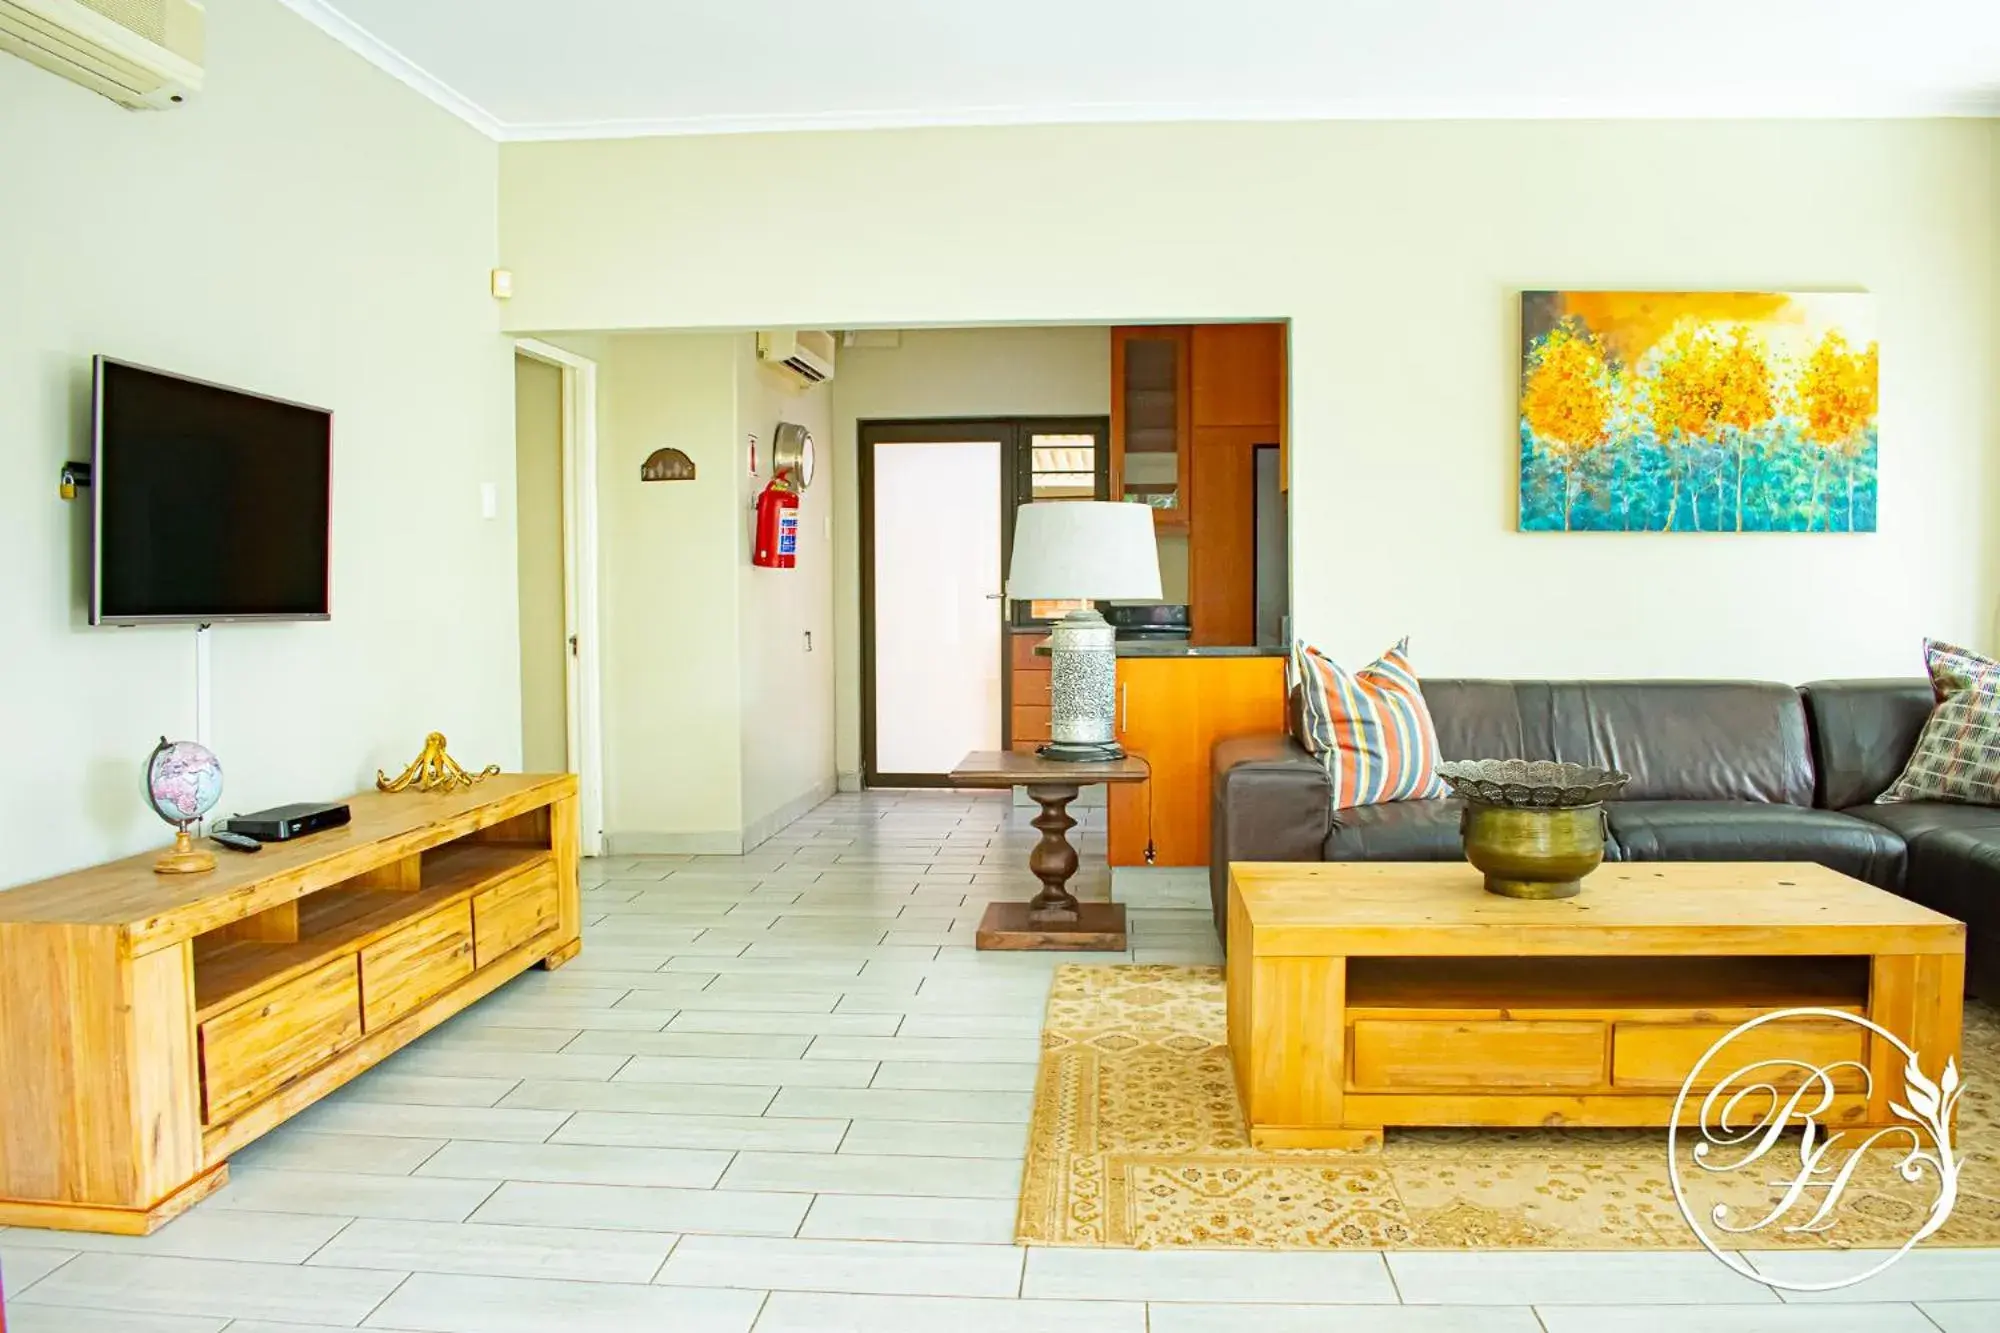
<point x="1053" y="918"/>
<point x="1363" y="995"/>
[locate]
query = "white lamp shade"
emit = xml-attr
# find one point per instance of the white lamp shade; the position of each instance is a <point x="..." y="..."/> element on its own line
<point x="1076" y="549"/>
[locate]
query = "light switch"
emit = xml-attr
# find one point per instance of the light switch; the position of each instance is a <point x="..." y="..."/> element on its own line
<point x="489" y="499"/>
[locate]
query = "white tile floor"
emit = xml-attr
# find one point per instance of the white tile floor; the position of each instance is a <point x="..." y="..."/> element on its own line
<point x="782" y="1092"/>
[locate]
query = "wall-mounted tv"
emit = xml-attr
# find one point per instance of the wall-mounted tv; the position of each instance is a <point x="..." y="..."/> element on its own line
<point x="210" y="503"/>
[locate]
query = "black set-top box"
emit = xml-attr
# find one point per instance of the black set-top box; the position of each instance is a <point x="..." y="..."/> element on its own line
<point x="282" y="822"/>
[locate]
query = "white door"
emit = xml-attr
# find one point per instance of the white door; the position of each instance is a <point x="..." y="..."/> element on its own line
<point x="937" y="581"/>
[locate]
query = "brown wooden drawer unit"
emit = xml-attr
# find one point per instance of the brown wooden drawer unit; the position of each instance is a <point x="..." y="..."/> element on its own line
<point x="1028" y="693"/>
<point x="508" y="915"/>
<point x="1477" y="1054"/>
<point x="249" y="1052"/>
<point x="1031" y="723"/>
<point x="423" y="959"/>
<point x="1021" y="653"/>
<point x="1662" y="1055"/>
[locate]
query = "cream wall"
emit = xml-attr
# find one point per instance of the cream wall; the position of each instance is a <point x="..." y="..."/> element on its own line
<point x="987" y="372"/>
<point x="718" y="725"/>
<point x="1397" y="250"/>
<point x="787" y="733"/>
<point x="667" y="588"/>
<point x="306" y="228"/>
<point x="538" y="528"/>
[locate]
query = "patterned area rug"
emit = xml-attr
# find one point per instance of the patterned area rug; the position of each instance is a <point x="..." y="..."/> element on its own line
<point x="1137" y="1141"/>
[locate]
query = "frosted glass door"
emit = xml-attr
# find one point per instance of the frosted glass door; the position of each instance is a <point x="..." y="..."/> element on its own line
<point x="937" y="604"/>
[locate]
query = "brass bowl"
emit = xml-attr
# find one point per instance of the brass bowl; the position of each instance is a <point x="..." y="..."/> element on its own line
<point x="1534" y="828"/>
<point x="1538" y="784"/>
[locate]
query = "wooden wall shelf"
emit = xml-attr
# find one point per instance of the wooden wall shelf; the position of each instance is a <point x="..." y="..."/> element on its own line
<point x="151" y="1025"/>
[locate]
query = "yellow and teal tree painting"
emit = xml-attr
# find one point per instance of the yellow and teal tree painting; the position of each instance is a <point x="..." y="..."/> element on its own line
<point x="1698" y="412"/>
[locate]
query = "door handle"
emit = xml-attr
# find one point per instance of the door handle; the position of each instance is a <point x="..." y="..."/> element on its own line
<point x="994" y="596"/>
<point x="1124" y="708"/>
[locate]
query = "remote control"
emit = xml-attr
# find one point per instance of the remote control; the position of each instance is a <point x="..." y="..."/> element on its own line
<point x="236" y="842"/>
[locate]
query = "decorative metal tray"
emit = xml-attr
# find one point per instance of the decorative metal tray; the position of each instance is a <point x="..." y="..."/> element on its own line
<point x="1532" y="784"/>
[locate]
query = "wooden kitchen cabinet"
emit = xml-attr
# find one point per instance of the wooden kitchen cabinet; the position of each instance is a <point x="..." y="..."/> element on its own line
<point x="1150" y="420"/>
<point x="1222" y="542"/>
<point x="1171" y="712"/>
<point x="1027" y="692"/>
<point x="1238" y="375"/>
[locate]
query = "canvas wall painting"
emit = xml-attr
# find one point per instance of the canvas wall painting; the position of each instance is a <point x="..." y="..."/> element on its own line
<point x="1698" y="412"/>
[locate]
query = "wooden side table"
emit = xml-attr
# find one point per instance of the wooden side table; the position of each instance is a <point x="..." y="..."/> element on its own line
<point x="1053" y="918"/>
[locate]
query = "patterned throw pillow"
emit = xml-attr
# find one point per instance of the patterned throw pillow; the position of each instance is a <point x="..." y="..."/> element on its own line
<point x="1952" y="668"/>
<point x="1958" y="755"/>
<point x="1370" y="728"/>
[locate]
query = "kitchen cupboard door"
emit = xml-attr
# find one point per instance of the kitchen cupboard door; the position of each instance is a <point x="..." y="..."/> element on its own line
<point x="1171" y="713"/>
<point x="1150" y="366"/>
<point x="1222" y="541"/>
<point x="1238" y="375"/>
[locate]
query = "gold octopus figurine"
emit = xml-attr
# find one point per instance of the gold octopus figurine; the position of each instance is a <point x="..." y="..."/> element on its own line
<point x="434" y="770"/>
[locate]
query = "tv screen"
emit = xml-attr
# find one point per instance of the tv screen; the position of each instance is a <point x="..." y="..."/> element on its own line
<point x="211" y="504"/>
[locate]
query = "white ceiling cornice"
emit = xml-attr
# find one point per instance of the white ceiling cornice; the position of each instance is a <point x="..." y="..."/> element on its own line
<point x="1167" y="113"/>
<point x="390" y="61"/>
<point x="524" y="63"/>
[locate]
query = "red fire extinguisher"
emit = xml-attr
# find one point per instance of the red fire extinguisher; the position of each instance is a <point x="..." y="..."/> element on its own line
<point x="777" y="544"/>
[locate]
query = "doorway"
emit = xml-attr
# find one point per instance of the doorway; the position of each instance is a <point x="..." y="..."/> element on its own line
<point x="937" y="501"/>
<point x="539" y="552"/>
<point x="555" y="481"/>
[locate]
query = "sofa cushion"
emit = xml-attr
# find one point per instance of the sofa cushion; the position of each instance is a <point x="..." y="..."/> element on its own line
<point x="1714" y="740"/>
<point x="1911" y="820"/>
<point x="1756" y="831"/>
<point x="1688" y="740"/>
<point x="1490" y="719"/>
<point x="1862" y="734"/>
<point x="1403" y="831"/>
<point x="1957" y="871"/>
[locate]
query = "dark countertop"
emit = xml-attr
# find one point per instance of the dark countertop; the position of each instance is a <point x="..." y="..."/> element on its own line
<point x="1162" y="647"/>
<point x="1156" y="649"/>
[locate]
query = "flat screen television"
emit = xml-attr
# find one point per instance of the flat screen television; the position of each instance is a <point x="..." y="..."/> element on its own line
<point x="210" y="503"/>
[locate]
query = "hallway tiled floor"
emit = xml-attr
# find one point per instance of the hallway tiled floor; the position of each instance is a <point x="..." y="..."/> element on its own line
<point x="782" y="1092"/>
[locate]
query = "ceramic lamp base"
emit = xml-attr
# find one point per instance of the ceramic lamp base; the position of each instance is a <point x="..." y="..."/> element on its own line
<point x="1083" y="688"/>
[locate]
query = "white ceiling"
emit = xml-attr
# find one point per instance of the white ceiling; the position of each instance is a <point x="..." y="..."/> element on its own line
<point x="540" y="69"/>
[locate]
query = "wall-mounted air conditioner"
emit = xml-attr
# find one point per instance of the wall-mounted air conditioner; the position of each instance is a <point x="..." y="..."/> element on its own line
<point x="807" y="354"/>
<point x="143" y="54"/>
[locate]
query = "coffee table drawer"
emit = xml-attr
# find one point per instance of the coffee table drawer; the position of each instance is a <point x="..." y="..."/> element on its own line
<point x="1662" y="1055"/>
<point x="1475" y="1055"/>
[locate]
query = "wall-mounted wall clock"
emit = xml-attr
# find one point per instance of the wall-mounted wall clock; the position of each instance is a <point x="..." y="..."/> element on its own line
<point x="792" y="453"/>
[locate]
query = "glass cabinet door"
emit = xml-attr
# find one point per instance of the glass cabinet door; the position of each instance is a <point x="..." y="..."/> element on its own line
<point x="1150" y="420"/>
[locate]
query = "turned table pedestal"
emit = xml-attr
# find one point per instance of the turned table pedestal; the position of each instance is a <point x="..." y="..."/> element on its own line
<point x="1053" y="918"/>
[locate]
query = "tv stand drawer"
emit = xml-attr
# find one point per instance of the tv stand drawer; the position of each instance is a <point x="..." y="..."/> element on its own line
<point x="249" y="1052"/>
<point x="508" y="915"/>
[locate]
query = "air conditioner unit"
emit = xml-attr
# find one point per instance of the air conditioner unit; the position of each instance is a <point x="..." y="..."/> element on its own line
<point x="806" y="353"/>
<point x="142" y="54"/>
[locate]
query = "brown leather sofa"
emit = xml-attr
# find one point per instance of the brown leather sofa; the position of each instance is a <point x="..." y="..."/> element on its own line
<point x="1721" y="771"/>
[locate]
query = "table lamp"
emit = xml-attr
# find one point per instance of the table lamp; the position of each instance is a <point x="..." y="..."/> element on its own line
<point x="1069" y="550"/>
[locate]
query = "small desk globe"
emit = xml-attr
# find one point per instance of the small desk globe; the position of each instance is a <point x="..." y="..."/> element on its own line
<point x="183" y="783"/>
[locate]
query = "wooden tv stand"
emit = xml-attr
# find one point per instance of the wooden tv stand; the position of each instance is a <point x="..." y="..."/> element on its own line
<point x="150" y="1025"/>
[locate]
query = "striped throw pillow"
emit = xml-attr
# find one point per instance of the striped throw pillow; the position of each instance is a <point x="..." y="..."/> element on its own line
<point x="1957" y="757"/>
<point x="1370" y="728"/>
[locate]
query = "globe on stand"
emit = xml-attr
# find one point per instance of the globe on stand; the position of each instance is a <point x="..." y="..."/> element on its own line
<point x="183" y="783"/>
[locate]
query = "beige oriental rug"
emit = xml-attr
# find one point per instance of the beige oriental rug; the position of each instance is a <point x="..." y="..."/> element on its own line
<point x="1137" y="1141"/>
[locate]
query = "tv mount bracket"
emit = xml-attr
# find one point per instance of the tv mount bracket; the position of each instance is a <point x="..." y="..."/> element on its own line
<point x="73" y="476"/>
